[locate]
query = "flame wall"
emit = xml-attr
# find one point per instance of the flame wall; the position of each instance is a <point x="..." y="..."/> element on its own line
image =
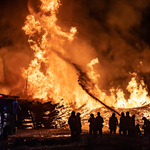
<point x="114" y="32"/>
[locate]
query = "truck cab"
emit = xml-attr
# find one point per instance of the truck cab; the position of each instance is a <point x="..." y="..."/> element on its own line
<point x="8" y="115"/>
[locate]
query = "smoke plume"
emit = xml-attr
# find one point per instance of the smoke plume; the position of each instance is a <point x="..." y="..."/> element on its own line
<point x="113" y="31"/>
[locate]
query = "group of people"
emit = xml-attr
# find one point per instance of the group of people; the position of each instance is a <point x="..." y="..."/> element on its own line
<point x="74" y="122"/>
<point x="126" y="125"/>
<point x="96" y="124"/>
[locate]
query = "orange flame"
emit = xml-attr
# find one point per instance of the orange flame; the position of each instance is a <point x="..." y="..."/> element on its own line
<point x="48" y="74"/>
<point x="51" y="78"/>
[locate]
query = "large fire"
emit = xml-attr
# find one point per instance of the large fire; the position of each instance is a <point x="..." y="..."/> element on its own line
<point x="52" y="76"/>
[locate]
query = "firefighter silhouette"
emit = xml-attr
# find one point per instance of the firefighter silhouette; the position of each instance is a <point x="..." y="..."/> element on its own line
<point x="146" y="126"/>
<point x="99" y="123"/>
<point x="137" y="130"/>
<point x="78" y="124"/>
<point x="72" y="123"/>
<point x="132" y="128"/>
<point x="128" y="125"/>
<point x="113" y="122"/>
<point x="92" y="126"/>
<point x="122" y="124"/>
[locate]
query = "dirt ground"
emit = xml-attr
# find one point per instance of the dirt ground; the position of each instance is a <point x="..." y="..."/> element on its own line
<point x="60" y="139"/>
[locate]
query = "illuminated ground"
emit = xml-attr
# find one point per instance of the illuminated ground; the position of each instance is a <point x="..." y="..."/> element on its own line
<point x="44" y="139"/>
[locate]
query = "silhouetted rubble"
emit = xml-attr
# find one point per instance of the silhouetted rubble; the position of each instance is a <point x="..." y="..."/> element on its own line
<point x="36" y="115"/>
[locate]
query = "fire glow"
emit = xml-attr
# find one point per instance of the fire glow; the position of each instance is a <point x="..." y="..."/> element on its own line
<point x="51" y="75"/>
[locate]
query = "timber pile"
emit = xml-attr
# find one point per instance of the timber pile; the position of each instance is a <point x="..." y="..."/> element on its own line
<point x="36" y="115"/>
<point x="48" y="115"/>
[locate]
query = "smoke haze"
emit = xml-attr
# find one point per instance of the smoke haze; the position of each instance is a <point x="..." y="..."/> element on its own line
<point x="14" y="50"/>
<point x="114" y="31"/>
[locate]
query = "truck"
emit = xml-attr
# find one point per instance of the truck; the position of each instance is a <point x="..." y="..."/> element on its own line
<point x="8" y="115"/>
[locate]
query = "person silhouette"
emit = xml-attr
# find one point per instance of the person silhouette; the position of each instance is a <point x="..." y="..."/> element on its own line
<point x="128" y="125"/>
<point x="92" y="126"/>
<point x="79" y="125"/>
<point x="113" y="122"/>
<point x="122" y="124"/>
<point x="137" y="130"/>
<point x="72" y="123"/>
<point x="146" y="126"/>
<point x="132" y="128"/>
<point x="99" y="123"/>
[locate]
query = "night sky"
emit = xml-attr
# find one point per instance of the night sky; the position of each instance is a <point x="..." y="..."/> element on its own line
<point x="116" y="32"/>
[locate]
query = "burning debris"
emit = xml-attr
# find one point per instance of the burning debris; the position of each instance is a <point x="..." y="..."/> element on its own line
<point x="84" y="62"/>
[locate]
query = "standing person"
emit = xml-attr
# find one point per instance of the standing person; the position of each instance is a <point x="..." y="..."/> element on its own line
<point x="122" y="124"/>
<point x="72" y="123"/>
<point x="132" y="129"/>
<point x="146" y="126"/>
<point x="99" y="123"/>
<point x="92" y="126"/>
<point x="128" y="121"/>
<point x="113" y="122"/>
<point x="78" y="124"/>
<point x="137" y="130"/>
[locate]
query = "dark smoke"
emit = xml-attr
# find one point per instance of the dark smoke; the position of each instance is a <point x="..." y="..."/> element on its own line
<point x="14" y="49"/>
<point x="117" y="32"/>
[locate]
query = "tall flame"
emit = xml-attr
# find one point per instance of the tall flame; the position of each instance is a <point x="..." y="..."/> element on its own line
<point x="51" y="77"/>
